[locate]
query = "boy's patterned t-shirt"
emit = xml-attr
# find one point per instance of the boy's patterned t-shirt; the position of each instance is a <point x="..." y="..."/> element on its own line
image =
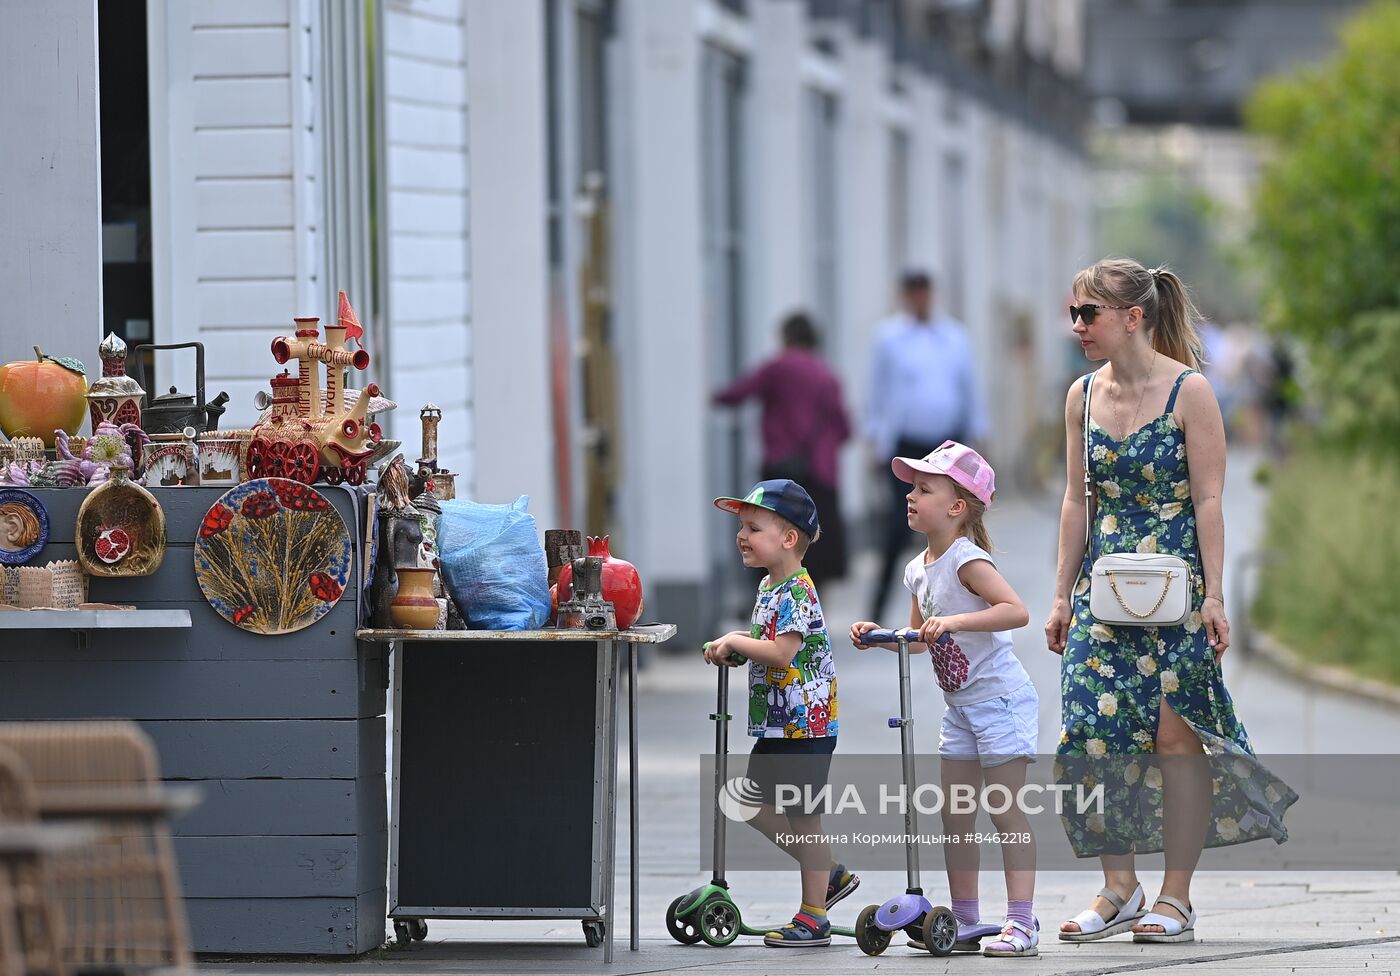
<point x="799" y="701"/>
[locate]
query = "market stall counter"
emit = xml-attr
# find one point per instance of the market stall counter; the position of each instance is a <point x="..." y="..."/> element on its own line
<point x="504" y="775"/>
<point x="282" y="732"/>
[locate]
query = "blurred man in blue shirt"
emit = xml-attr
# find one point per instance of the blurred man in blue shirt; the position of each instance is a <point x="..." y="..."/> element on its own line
<point x="923" y="391"/>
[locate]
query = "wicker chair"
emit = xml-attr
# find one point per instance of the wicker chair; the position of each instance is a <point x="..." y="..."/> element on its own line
<point x="30" y="936"/>
<point x="119" y="894"/>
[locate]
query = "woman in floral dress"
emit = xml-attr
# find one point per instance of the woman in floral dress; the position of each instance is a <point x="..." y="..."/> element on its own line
<point x="1143" y="706"/>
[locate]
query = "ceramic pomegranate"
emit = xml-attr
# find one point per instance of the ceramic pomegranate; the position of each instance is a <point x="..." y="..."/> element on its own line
<point x="622" y="584"/>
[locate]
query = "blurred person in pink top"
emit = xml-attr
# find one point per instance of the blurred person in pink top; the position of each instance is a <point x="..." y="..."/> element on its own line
<point x="803" y="425"/>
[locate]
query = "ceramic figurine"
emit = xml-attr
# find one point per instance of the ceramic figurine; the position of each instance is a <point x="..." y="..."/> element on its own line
<point x="115" y="398"/>
<point x="444" y="482"/>
<point x="310" y="435"/>
<point x="400" y="540"/>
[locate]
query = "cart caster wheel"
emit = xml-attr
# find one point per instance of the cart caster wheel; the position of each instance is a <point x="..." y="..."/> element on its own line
<point x="685" y="930"/>
<point x="402" y="936"/>
<point x="418" y="929"/>
<point x="593" y="933"/>
<point x="872" y="939"/>
<point x="719" y="922"/>
<point x="940" y="931"/>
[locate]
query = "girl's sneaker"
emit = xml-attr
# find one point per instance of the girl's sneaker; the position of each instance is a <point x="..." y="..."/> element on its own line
<point x="803" y="930"/>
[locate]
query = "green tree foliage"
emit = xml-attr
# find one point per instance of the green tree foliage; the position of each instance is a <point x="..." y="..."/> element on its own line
<point x="1328" y="205"/>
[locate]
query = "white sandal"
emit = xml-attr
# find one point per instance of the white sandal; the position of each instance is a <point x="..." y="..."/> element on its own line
<point x="1093" y="926"/>
<point x="1173" y="929"/>
<point x="1022" y="938"/>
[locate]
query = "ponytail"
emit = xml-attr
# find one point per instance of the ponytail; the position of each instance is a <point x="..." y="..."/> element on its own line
<point x="1174" y="331"/>
<point x="974" y="526"/>
<point x="1167" y="308"/>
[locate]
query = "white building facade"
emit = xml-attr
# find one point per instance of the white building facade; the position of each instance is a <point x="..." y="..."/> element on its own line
<point x="565" y="222"/>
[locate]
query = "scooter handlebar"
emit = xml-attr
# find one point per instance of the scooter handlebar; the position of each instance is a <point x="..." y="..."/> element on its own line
<point x="909" y="635"/>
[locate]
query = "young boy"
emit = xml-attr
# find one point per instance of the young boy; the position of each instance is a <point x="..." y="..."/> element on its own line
<point x="792" y="691"/>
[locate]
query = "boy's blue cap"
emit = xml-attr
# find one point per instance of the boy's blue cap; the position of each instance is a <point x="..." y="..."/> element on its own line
<point x="782" y="496"/>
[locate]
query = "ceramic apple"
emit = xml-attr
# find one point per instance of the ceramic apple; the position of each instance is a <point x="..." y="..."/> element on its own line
<point x="40" y="396"/>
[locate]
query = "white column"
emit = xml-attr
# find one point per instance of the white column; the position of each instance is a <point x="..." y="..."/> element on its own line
<point x="777" y="205"/>
<point x="663" y="345"/>
<point x="507" y="154"/>
<point x="50" y="180"/>
<point x="866" y="273"/>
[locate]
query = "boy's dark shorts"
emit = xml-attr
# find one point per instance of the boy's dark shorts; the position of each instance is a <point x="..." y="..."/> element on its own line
<point x="801" y="763"/>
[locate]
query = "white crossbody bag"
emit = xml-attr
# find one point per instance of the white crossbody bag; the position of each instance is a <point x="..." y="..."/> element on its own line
<point x="1132" y="589"/>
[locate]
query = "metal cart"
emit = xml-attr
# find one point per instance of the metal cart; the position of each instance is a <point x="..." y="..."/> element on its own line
<point x="504" y="775"/>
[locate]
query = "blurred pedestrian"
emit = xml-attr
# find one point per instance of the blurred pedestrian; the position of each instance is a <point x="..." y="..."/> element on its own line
<point x="923" y="391"/>
<point x="803" y="425"/>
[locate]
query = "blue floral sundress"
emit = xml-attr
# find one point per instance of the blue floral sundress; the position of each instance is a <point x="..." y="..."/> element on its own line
<point x="1112" y="678"/>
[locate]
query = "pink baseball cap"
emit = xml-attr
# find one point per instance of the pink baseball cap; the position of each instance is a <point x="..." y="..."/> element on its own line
<point x="957" y="461"/>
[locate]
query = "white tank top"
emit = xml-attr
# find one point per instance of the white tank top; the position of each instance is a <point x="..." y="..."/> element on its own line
<point x="976" y="666"/>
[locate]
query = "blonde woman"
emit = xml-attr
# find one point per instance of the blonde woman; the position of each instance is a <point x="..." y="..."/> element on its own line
<point x="1143" y="703"/>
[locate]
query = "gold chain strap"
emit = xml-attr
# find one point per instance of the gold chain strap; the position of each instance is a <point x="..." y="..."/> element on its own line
<point x="1166" y="586"/>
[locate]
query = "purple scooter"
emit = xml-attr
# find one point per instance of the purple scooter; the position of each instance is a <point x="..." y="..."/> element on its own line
<point x="936" y="928"/>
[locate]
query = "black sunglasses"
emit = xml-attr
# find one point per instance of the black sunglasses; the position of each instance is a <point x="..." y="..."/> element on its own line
<point x="1088" y="310"/>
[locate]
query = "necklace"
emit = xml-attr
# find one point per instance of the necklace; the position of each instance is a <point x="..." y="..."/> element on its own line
<point x="1117" y="416"/>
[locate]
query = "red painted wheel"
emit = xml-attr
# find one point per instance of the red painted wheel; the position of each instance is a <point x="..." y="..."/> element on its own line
<point x="277" y="453"/>
<point x="355" y="472"/>
<point x="257" y="458"/>
<point x="334" y="476"/>
<point x="301" y="463"/>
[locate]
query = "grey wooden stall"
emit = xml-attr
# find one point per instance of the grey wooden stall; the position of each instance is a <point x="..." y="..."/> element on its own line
<point x="287" y="853"/>
<point x="505" y="775"/>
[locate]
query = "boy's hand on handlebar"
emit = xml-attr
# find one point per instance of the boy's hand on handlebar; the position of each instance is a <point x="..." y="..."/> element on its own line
<point x="719" y="653"/>
<point x="858" y="631"/>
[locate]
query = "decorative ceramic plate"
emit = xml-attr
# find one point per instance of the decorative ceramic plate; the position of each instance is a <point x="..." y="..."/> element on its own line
<point x="24" y="526"/>
<point x="273" y="556"/>
<point x="121" y="529"/>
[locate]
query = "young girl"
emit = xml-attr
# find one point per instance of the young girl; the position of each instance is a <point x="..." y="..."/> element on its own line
<point x="989" y="727"/>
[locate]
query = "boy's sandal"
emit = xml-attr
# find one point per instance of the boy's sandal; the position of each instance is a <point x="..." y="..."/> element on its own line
<point x="1016" y="939"/>
<point x="842" y="883"/>
<point x="803" y="930"/>
<point x="1173" y="929"/>
<point x="1093" y="926"/>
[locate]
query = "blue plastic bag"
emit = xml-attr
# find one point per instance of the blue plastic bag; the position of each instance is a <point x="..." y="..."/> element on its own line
<point x="493" y="564"/>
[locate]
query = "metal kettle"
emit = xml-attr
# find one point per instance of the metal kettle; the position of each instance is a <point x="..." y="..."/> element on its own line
<point x="174" y="411"/>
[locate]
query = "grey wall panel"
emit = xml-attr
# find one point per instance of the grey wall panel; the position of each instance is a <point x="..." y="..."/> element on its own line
<point x="238" y="807"/>
<point x="332" y="926"/>
<point x="187" y="689"/>
<point x="275" y="867"/>
<point x="329" y="749"/>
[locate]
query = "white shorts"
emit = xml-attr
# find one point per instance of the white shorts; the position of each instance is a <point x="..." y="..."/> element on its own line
<point x="994" y="731"/>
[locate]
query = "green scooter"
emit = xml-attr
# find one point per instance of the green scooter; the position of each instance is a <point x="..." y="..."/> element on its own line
<point x="708" y="914"/>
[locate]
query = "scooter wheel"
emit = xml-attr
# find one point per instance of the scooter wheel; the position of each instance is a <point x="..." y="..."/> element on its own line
<point x="940" y="931"/>
<point x="719" y="922"/>
<point x="872" y="939"/>
<point x="685" y="930"/>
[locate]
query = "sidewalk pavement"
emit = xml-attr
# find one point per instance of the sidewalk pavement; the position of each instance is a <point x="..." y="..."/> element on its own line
<point x="1262" y="923"/>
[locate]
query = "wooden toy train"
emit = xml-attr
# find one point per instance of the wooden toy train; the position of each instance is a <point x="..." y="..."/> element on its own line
<point x="309" y="435"/>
